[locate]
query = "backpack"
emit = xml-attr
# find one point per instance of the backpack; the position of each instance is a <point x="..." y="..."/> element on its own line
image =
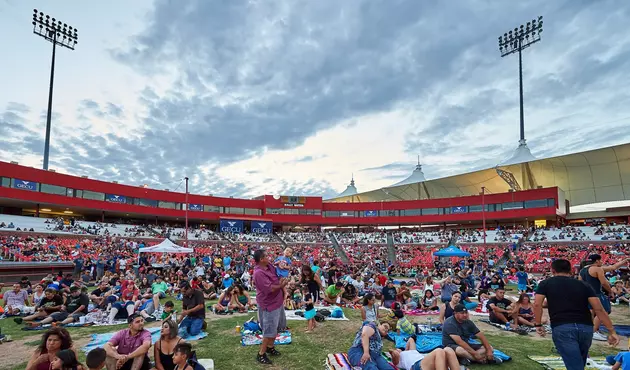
<point x="324" y="312"/>
<point x="319" y="317"/>
<point x="192" y="361"/>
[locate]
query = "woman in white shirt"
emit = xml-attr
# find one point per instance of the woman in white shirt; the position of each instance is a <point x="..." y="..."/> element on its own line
<point x="38" y="295"/>
<point x="411" y="359"/>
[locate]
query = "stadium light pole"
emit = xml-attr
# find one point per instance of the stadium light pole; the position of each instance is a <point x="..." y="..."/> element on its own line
<point x="515" y="41"/>
<point x="58" y="33"/>
<point x="186" y="215"/>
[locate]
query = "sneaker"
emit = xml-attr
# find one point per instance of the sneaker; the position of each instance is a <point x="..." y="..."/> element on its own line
<point x="150" y="319"/>
<point x="273" y="351"/>
<point x="263" y="359"/>
<point x="599" y="336"/>
<point x="464" y="361"/>
<point x="495" y="361"/>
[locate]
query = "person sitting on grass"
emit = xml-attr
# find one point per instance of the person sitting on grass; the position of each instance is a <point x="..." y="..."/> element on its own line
<point x="65" y="360"/>
<point x="411" y="359"/>
<point x="182" y="356"/>
<point x="447" y="308"/>
<point x="350" y="296"/>
<point x="95" y="359"/>
<point x="53" y="341"/>
<point x="168" y="312"/>
<point x="75" y="306"/>
<point x="193" y="314"/>
<point x="369" y="310"/>
<point x="223" y="305"/>
<point x="163" y="351"/>
<point x="128" y="348"/>
<point x="500" y="309"/>
<point x="159" y="289"/>
<point x="333" y="293"/>
<point x="429" y="302"/>
<point x="365" y="351"/>
<point x="240" y="299"/>
<point x="403" y="326"/>
<point x="457" y="331"/>
<point x="15" y="300"/>
<point x="50" y="304"/>
<point x="524" y="311"/>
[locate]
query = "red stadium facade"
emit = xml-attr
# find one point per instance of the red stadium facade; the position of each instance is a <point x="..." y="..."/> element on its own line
<point x="26" y="190"/>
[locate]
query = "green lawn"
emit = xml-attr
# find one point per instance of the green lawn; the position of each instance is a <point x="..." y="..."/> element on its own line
<point x="308" y="351"/>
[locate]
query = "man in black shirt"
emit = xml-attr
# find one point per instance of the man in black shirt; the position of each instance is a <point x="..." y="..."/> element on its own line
<point x="568" y="302"/>
<point x="100" y="294"/>
<point x="76" y="305"/>
<point x="500" y="308"/>
<point x="51" y="303"/>
<point x="192" y="317"/>
<point x="389" y="294"/>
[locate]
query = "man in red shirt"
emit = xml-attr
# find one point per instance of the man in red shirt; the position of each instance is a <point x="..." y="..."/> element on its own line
<point x="269" y="297"/>
<point x="127" y="301"/>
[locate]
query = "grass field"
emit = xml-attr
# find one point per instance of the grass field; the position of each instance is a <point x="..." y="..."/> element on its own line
<point x="307" y="351"/>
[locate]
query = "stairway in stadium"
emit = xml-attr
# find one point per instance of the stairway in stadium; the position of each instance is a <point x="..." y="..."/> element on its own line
<point x="340" y="252"/>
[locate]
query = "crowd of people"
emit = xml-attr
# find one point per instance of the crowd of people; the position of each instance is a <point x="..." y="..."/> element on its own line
<point x="111" y="283"/>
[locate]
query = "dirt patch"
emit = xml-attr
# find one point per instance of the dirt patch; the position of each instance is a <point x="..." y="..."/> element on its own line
<point x="18" y="352"/>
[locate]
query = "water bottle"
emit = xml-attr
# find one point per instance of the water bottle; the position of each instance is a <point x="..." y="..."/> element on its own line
<point x="507" y="326"/>
<point x="430" y="319"/>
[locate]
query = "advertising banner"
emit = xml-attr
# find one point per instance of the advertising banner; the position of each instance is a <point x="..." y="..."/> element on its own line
<point x="231" y="226"/>
<point x="24" y="185"/>
<point x="195" y="207"/>
<point x="115" y="198"/>
<point x="370" y="214"/>
<point x="460" y="209"/>
<point x="262" y="227"/>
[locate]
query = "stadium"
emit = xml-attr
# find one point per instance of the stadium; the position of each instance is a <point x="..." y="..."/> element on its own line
<point x="440" y="270"/>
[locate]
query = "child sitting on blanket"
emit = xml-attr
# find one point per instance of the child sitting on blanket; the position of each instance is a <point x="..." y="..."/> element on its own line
<point x="181" y="354"/>
<point x="429" y="303"/>
<point x="403" y="326"/>
<point x="95" y="359"/>
<point x="168" y="312"/>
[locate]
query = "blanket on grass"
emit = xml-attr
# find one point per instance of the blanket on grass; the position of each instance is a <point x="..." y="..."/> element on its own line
<point x="555" y="363"/>
<point x="620" y="329"/>
<point x="252" y="339"/>
<point x="340" y="361"/>
<point x="99" y="340"/>
<point x="417" y="312"/>
<point x="290" y="314"/>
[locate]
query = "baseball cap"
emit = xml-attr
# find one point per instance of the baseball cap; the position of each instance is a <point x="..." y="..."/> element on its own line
<point x="460" y="308"/>
<point x="74" y="288"/>
<point x="227" y="276"/>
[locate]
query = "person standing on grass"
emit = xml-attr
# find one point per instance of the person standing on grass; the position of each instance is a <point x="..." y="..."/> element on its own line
<point x="269" y="297"/>
<point x="594" y="274"/>
<point x="568" y="301"/>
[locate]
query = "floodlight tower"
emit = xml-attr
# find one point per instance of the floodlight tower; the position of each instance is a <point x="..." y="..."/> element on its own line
<point x="57" y="33"/>
<point x="514" y="41"/>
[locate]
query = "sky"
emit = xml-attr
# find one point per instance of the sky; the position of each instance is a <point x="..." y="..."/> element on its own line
<point x="295" y="97"/>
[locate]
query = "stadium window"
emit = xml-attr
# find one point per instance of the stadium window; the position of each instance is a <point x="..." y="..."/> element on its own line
<point x="290" y="211"/>
<point x="253" y="211"/>
<point x="169" y="205"/>
<point x="78" y="193"/>
<point x="476" y="208"/>
<point x="497" y="207"/>
<point x="93" y="195"/>
<point x="346" y="213"/>
<point x="317" y="212"/>
<point x="551" y="202"/>
<point x="512" y="205"/>
<point x="214" y="209"/>
<point x="145" y="202"/>
<point x="331" y="213"/>
<point x="537" y="203"/>
<point x="430" y="211"/>
<point x="6" y="182"/>
<point x="388" y="213"/>
<point x="303" y="211"/>
<point x="411" y="212"/>
<point x="52" y="189"/>
<point x="234" y="210"/>
<point x="274" y="211"/>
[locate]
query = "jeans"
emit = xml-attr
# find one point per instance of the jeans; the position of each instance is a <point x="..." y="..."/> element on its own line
<point x="573" y="342"/>
<point x="377" y="362"/>
<point x="190" y="326"/>
<point x="471" y="306"/>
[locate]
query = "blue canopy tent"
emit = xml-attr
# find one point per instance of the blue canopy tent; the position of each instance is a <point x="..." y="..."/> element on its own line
<point x="451" y="251"/>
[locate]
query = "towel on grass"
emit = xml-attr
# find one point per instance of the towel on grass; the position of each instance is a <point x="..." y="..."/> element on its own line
<point x="340" y="361"/>
<point x="252" y="339"/>
<point x="99" y="340"/>
<point x="290" y="314"/>
<point x="623" y="330"/>
<point x="555" y="363"/>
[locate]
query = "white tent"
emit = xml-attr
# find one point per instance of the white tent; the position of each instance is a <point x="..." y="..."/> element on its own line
<point x="166" y="246"/>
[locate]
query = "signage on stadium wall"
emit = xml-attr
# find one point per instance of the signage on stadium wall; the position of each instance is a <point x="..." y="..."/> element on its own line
<point x="262" y="227"/>
<point x="195" y="207"/>
<point x="115" y="198"/>
<point x="24" y="185"/>
<point x="231" y="226"/>
<point x="459" y="209"/>
<point x="370" y="214"/>
<point x="293" y="205"/>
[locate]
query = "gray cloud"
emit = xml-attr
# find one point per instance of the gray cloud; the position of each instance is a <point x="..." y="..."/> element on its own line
<point x="255" y="76"/>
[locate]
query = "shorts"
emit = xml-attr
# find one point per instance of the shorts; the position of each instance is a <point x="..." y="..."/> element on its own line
<point x="603" y="298"/>
<point x="15" y="307"/>
<point x="146" y="364"/>
<point x="417" y="366"/>
<point x="272" y="321"/>
<point x="522" y="287"/>
<point x="310" y="314"/>
<point x="475" y="346"/>
<point x="161" y="295"/>
<point x="493" y="319"/>
<point x="60" y="316"/>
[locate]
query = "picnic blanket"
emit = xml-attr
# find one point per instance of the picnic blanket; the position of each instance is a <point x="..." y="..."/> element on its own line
<point x="555" y="363"/>
<point x="623" y="330"/>
<point x="290" y="314"/>
<point x="99" y="340"/>
<point x="523" y="328"/>
<point x="418" y="312"/>
<point x="340" y="361"/>
<point x="251" y="339"/>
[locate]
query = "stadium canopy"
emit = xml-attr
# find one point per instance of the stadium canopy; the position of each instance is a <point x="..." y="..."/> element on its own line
<point x="166" y="246"/>
<point x="451" y="251"/>
<point x="350" y="190"/>
<point x="594" y="176"/>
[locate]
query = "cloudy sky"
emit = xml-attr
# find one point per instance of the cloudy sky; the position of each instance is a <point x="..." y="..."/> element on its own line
<point x="294" y="96"/>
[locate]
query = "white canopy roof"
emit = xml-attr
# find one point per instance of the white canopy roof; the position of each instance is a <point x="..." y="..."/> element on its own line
<point x="166" y="246"/>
